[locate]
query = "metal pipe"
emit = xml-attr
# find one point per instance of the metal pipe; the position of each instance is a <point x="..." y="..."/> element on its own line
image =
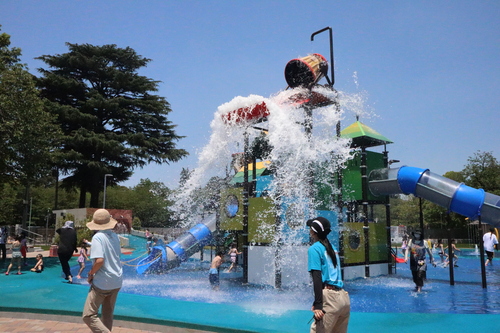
<point x="332" y="82"/>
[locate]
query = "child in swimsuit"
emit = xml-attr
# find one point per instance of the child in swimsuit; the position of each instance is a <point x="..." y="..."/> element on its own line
<point x="16" y="256"/>
<point x="82" y="258"/>
<point x="233" y="253"/>
<point x="39" y="264"/>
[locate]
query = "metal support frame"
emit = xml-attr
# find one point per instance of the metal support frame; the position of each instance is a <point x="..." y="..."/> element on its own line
<point x="366" y="227"/>
<point x="481" y="253"/>
<point x="246" y="190"/>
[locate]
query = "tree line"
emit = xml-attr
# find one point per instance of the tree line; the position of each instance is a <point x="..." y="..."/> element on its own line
<point x="89" y="113"/>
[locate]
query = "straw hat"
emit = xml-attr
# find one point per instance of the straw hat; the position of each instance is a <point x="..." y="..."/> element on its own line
<point x="102" y="220"/>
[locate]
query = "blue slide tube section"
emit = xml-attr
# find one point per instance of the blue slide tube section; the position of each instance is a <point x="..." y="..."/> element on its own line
<point x="165" y="257"/>
<point x="454" y="196"/>
<point x="183" y="245"/>
<point x="154" y="261"/>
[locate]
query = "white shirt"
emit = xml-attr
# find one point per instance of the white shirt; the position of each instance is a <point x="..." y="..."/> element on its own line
<point x="106" y="244"/>
<point x="489" y="240"/>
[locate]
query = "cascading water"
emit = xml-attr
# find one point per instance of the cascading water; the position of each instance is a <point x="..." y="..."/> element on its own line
<point x="303" y="160"/>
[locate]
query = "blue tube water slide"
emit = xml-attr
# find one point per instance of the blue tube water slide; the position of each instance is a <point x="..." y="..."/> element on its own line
<point x="454" y="196"/>
<point x="165" y="257"/>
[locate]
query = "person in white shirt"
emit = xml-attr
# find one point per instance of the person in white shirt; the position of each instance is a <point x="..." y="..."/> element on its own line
<point x="106" y="274"/>
<point x="489" y="242"/>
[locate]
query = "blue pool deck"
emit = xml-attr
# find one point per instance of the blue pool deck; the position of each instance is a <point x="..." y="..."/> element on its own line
<point x="380" y="304"/>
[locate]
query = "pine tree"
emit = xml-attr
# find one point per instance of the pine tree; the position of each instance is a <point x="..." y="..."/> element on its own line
<point x="112" y="121"/>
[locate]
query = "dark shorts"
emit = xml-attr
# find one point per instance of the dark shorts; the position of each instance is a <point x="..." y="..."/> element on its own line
<point x="490" y="255"/>
<point x="214" y="279"/>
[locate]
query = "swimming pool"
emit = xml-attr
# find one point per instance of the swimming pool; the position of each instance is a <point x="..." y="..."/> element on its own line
<point x="393" y="293"/>
<point x="183" y="298"/>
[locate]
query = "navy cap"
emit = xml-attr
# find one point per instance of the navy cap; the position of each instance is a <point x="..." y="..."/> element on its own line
<point x="319" y="225"/>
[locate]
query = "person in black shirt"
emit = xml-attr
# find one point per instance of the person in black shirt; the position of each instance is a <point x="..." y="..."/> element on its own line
<point x="67" y="246"/>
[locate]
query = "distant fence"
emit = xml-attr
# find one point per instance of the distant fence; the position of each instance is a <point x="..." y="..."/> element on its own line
<point x="35" y="235"/>
<point x="167" y="234"/>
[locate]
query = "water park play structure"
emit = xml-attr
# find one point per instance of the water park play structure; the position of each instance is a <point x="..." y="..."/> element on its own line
<point x="263" y="209"/>
<point x="278" y="183"/>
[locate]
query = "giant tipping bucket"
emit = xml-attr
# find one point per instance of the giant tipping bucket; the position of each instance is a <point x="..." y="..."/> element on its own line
<point x="305" y="71"/>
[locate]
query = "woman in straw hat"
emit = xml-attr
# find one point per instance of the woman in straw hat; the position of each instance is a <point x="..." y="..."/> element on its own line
<point x="105" y="276"/>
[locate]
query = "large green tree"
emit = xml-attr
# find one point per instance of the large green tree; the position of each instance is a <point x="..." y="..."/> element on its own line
<point x="111" y="118"/>
<point x="483" y="171"/>
<point x="28" y="134"/>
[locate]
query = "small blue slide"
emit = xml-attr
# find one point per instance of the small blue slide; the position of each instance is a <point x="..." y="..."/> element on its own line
<point x="165" y="257"/>
<point x="456" y="197"/>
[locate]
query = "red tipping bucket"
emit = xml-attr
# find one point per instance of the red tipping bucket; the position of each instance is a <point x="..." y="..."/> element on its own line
<point x="305" y="71"/>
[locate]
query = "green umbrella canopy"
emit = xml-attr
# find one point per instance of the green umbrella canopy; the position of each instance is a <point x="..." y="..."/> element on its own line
<point x="363" y="136"/>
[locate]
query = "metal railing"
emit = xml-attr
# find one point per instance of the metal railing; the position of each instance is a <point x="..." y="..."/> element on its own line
<point x="31" y="236"/>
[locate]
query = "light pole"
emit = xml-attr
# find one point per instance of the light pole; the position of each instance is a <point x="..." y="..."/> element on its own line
<point x="104" y="194"/>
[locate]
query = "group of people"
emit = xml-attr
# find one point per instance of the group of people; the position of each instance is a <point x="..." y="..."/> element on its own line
<point x="213" y="273"/>
<point x="105" y="276"/>
<point x="331" y="305"/>
<point x="19" y="248"/>
<point x="444" y="255"/>
<point x="418" y="248"/>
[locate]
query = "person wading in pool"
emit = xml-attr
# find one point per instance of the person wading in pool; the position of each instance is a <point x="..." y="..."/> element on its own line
<point x="490" y="242"/>
<point x="418" y="266"/>
<point x="332" y="305"/>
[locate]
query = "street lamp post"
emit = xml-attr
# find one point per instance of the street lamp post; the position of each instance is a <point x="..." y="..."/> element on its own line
<point x="104" y="194"/>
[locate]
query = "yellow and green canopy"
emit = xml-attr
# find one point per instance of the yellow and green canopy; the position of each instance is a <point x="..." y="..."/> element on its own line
<point x="363" y="136"/>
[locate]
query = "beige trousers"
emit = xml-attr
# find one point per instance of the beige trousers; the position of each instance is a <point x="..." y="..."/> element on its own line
<point x="95" y="299"/>
<point x="337" y="307"/>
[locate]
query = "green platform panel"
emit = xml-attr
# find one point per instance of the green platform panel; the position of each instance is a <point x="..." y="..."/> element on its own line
<point x="378" y="241"/>
<point x="354" y="242"/>
<point x="231" y="197"/>
<point x="351" y="177"/>
<point x="261" y="216"/>
<point x="261" y="220"/>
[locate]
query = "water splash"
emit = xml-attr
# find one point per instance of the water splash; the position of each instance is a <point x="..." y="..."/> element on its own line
<point x="303" y="160"/>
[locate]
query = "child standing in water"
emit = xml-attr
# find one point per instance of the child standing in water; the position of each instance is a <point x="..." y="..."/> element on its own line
<point x="453" y="248"/>
<point x="417" y="250"/>
<point x="16" y="256"/>
<point x="82" y="258"/>
<point x="39" y="264"/>
<point x="233" y="253"/>
<point x="213" y="273"/>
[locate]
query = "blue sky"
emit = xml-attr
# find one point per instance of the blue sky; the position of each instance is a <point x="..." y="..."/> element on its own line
<point x="430" y="70"/>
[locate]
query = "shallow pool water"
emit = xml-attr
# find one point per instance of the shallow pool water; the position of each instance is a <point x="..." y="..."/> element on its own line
<point x="393" y="293"/>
